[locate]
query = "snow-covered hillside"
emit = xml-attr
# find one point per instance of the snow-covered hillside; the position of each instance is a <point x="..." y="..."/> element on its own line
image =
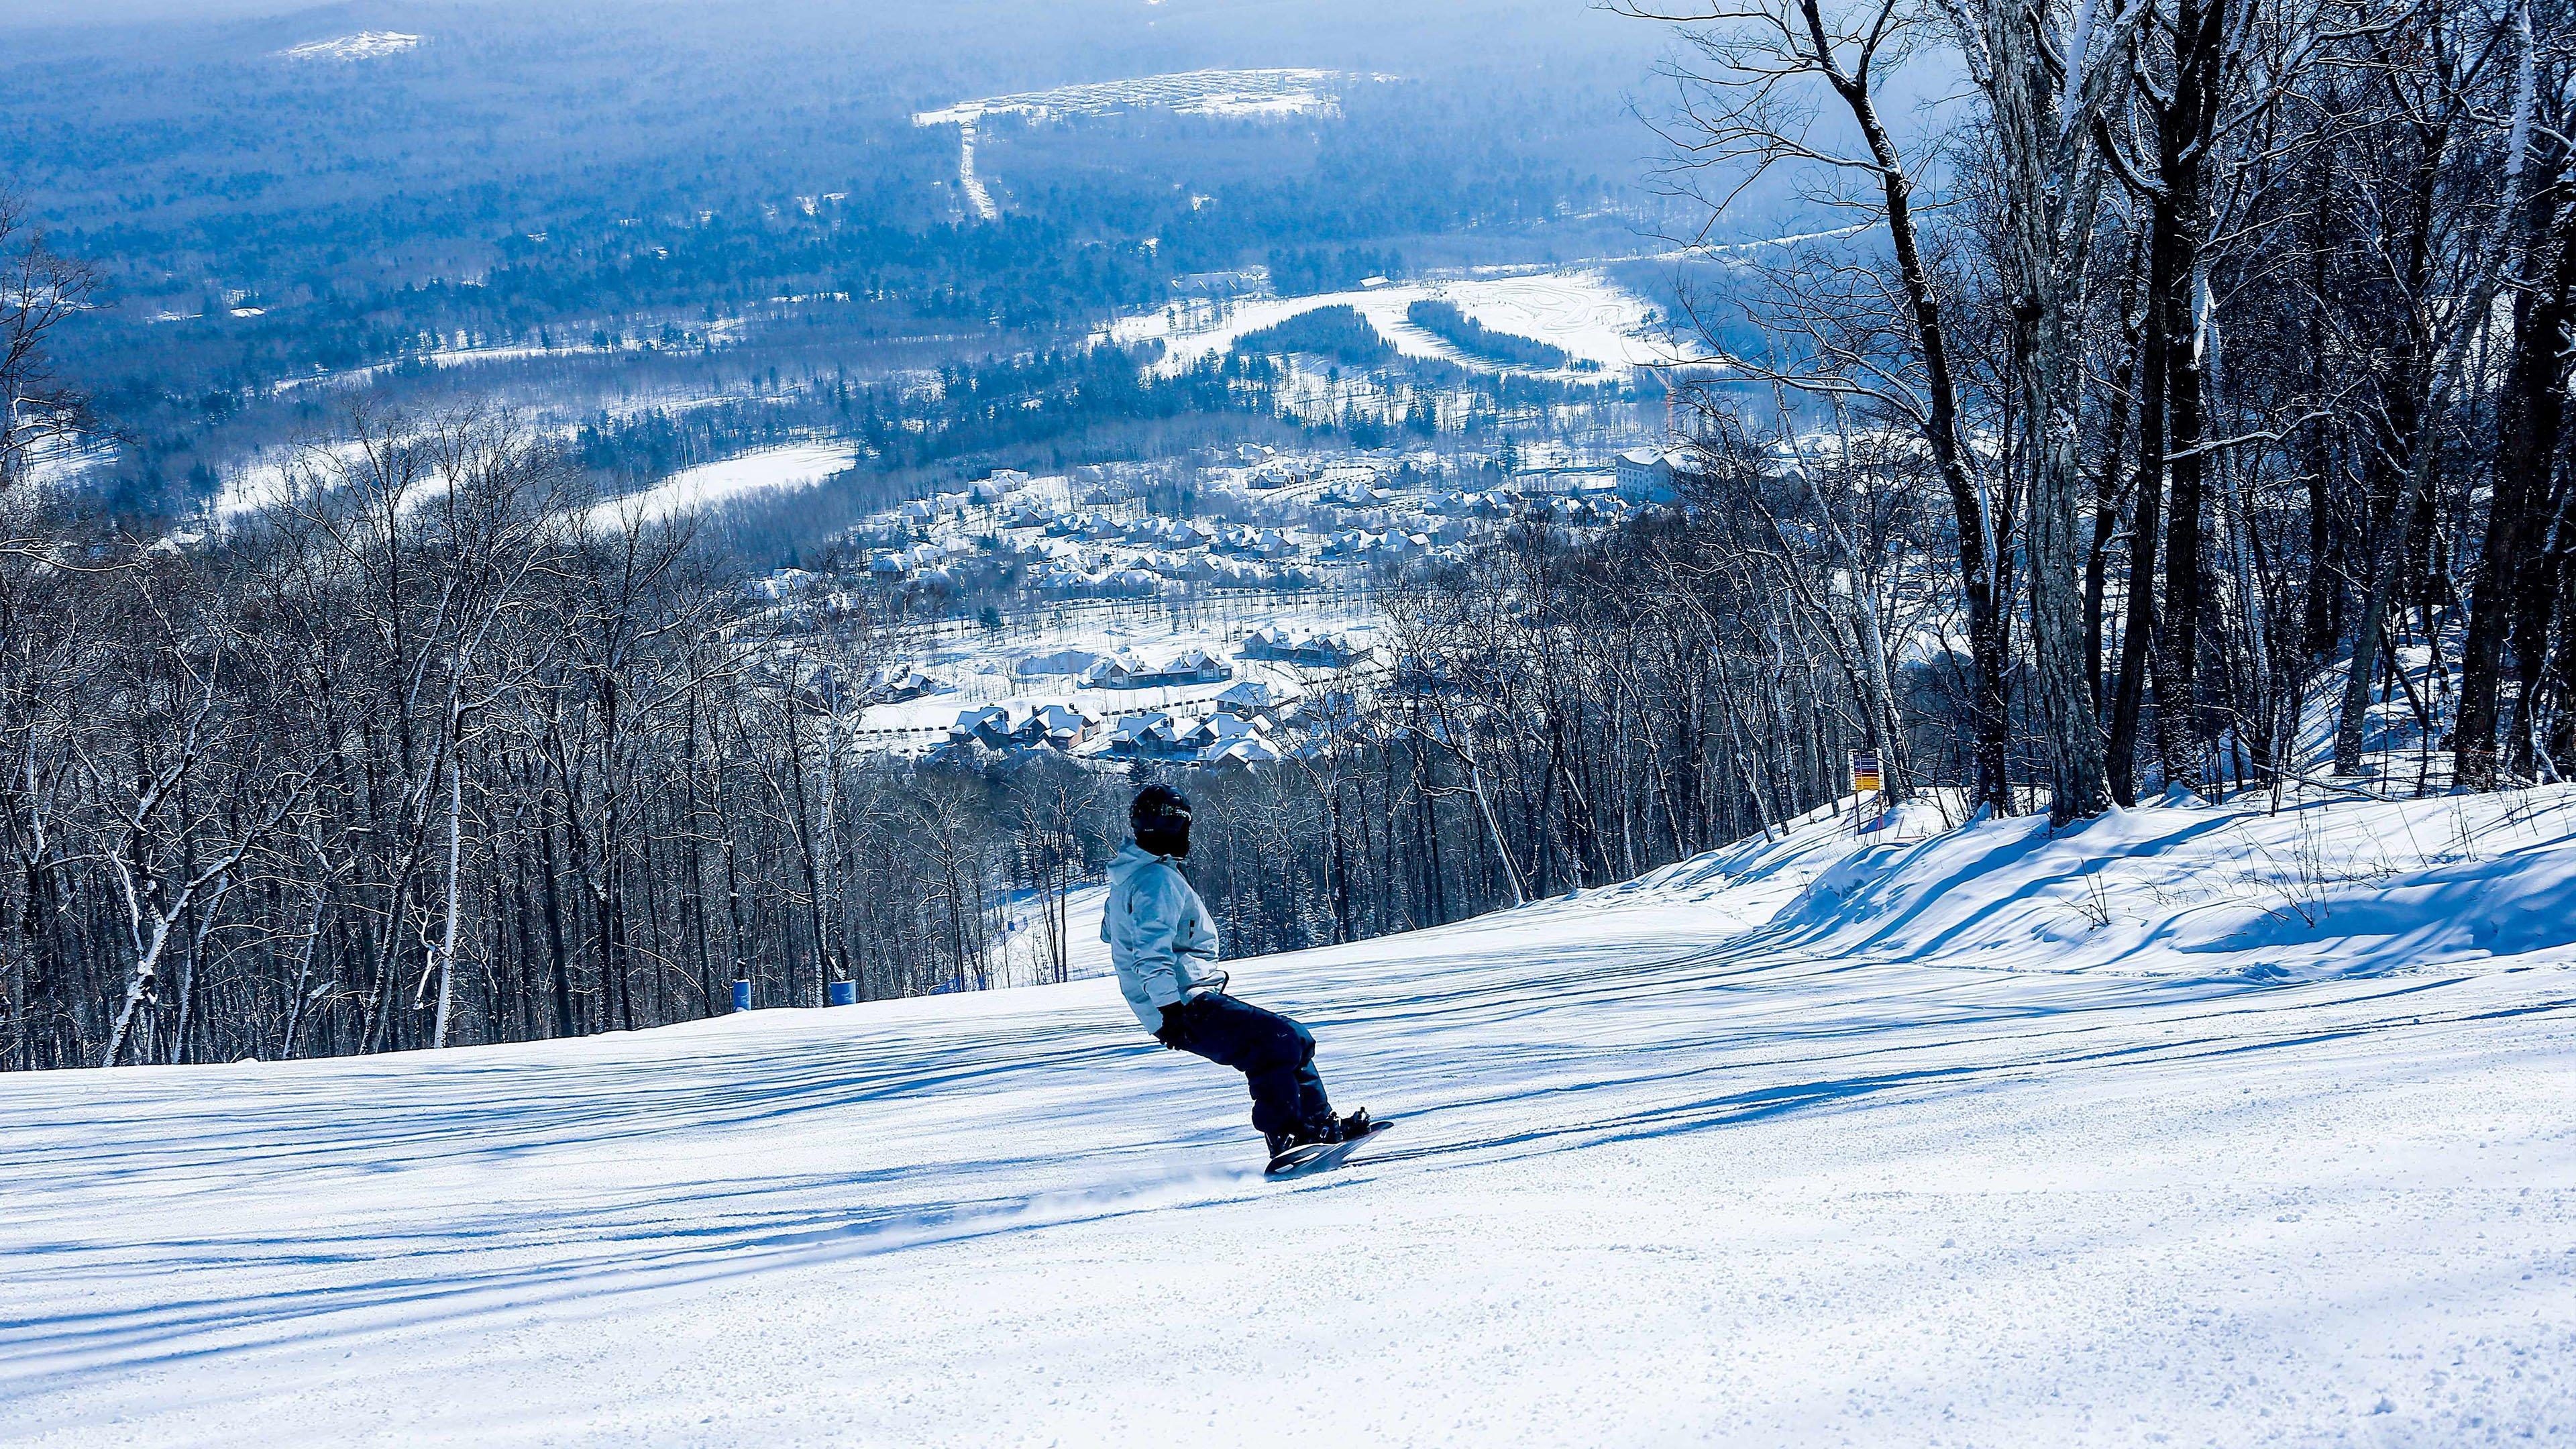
<point x="2256" y="1132"/>
<point x="1581" y="311"/>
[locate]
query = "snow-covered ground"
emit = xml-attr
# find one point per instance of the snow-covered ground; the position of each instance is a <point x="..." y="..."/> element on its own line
<point x="272" y="479"/>
<point x="62" y="462"/>
<point x="1236" y="93"/>
<point x="1592" y="318"/>
<point x="723" y="332"/>
<point x="764" y="470"/>
<point x="364" y="45"/>
<point x="2260" y="1136"/>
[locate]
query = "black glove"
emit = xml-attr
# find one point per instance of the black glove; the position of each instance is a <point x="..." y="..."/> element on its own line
<point x="1171" y="1031"/>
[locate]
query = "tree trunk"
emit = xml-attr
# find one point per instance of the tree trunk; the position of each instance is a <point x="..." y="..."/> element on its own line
<point x="2514" y="593"/>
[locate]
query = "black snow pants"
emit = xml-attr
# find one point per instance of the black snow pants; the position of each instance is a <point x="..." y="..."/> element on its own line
<point x="1275" y="1055"/>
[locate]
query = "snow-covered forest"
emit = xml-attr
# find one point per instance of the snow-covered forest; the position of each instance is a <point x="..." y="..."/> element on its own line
<point x="2114" y="409"/>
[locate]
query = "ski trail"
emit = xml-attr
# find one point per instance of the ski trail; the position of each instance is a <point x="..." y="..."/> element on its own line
<point x="1671" y="1173"/>
<point x="978" y="199"/>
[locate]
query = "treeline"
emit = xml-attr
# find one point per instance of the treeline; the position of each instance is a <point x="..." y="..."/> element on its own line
<point x="416" y="761"/>
<point x="1337" y="334"/>
<point x="2225" y="354"/>
<point x="1444" y="321"/>
<point x="1301" y="271"/>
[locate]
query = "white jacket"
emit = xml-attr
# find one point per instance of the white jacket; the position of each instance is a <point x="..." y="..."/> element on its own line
<point x="1159" y="934"/>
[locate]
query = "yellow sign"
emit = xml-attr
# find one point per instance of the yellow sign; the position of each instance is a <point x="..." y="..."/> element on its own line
<point x="1865" y="773"/>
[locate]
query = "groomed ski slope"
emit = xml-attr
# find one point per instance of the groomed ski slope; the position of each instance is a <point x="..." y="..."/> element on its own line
<point x="2263" y="1134"/>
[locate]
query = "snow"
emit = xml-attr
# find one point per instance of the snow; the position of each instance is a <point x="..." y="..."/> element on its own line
<point x="723" y="332"/>
<point x="270" y="479"/>
<point x="63" y="460"/>
<point x="983" y="669"/>
<point x="1236" y="95"/>
<point x="1582" y="311"/>
<point x="273" y="477"/>
<point x="365" y="45"/>
<point x="1755" y="1150"/>
<point x="1244" y="93"/>
<point x="766" y="470"/>
<point x="979" y="198"/>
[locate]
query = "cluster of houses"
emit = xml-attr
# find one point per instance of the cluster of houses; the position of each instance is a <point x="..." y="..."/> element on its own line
<point x="899" y="685"/>
<point x="1312" y="514"/>
<point x="1125" y="670"/>
<point x="1322" y="650"/>
<point x="1276" y="520"/>
<point x="1239" y="730"/>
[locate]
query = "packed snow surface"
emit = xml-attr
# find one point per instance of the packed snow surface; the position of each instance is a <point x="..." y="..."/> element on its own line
<point x="2196" y="1126"/>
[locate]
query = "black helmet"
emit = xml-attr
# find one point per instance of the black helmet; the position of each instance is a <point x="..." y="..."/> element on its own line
<point x="1161" y="817"/>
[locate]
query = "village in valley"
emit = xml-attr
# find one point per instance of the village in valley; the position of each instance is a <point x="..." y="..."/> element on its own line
<point x="1068" y="613"/>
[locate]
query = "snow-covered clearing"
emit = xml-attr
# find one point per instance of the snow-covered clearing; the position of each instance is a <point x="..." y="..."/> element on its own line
<point x="1242" y="93"/>
<point x="1234" y="95"/>
<point x="2233" y="1153"/>
<point x="723" y="332"/>
<point x="765" y="470"/>
<point x="62" y="462"/>
<point x="280" y="476"/>
<point x="365" y="45"/>
<point x="979" y="197"/>
<point x="1592" y="318"/>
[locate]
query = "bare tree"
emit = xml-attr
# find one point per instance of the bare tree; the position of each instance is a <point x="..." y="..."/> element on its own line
<point x="40" y="289"/>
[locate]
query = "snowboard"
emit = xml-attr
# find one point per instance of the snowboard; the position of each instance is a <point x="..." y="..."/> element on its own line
<point x="1317" y="1157"/>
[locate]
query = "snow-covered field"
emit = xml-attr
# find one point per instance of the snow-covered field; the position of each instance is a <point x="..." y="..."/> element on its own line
<point x="364" y="45"/>
<point x="723" y="332"/>
<point x="272" y="480"/>
<point x="1234" y="93"/>
<point x="764" y="470"/>
<point x="1592" y="318"/>
<point x="1756" y="1151"/>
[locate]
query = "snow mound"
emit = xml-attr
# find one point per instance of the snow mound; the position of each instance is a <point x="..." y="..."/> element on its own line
<point x="2315" y="890"/>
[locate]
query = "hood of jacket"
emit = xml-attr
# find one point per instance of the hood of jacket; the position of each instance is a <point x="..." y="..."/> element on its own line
<point x="1130" y="859"/>
<point x="1161" y="941"/>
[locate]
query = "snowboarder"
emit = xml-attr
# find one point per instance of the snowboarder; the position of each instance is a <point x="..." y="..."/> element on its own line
<point x="1165" y="949"/>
